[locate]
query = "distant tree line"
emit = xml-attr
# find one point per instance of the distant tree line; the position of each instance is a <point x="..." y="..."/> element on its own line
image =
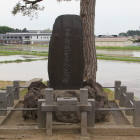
<point x="48" y="29"/>
<point x="130" y="33"/>
<point x="4" y="29"/>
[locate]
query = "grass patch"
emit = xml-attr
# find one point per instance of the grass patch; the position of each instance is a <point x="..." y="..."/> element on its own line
<point x="109" y="93"/>
<point x="119" y="59"/>
<point x="101" y="55"/>
<point x="45" y="82"/>
<point x="23" y="92"/>
<point x="118" y="48"/>
<point x="117" y="56"/>
<point x="18" y="60"/>
<point x="7" y="52"/>
<point x="3" y="84"/>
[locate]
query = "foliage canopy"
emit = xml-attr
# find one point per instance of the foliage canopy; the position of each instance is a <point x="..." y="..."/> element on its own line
<point x="130" y="33"/>
<point x="4" y="29"/>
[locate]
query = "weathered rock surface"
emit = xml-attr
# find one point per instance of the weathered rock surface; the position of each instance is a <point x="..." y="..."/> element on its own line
<point x="95" y="91"/>
<point x="35" y="92"/>
<point x="37" y="85"/>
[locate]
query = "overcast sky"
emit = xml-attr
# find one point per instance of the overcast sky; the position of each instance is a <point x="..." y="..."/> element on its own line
<point x="112" y="16"/>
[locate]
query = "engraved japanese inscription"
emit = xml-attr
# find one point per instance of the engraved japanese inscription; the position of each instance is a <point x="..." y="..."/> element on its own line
<point x="67" y="51"/>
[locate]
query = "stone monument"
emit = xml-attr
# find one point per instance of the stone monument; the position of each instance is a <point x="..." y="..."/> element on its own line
<point x="66" y="60"/>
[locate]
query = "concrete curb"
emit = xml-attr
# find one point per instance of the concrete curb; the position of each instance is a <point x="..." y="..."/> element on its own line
<point x="101" y="130"/>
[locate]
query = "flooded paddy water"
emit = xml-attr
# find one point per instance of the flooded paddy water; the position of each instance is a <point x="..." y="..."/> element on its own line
<point x="127" y="72"/>
<point x="24" y="70"/>
<point x="38" y="49"/>
<point x="108" y="70"/>
<point x="19" y="57"/>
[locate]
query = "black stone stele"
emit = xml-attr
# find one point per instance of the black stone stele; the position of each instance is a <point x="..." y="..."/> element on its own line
<point x="66" y="60"/>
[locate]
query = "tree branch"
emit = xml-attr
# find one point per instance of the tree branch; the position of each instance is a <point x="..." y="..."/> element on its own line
<point x="29" y="8"/>
<point x="32" y="2"/>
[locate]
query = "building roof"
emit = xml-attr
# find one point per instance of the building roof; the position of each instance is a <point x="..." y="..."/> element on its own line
<point x="12" y="39"/>
<point x="24" y="34"/>
<point x="30" y="31"/>
<point x="119" y="39"/>
<point x="41" y="31"/>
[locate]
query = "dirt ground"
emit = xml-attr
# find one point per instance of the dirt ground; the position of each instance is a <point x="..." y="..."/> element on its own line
<point x="42" y="136"/>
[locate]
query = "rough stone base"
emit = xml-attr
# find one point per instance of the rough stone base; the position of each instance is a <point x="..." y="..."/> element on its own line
<point x="95" y="91"/>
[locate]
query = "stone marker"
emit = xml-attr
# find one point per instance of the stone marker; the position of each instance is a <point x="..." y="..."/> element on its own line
<point x="41" y="115"/>
<point x="66" y="60"/>
<point x="49" y="101"/>
<point x="10" y="96"/>
<point x="16" y="90"/>
<point x="117" y="91"/>
<point x="3" y="103"/>
<point x="83" y="100"/>
<point x="136" y="113"/>
<point x="129" y="100"/>
<point x="122" y="96"/>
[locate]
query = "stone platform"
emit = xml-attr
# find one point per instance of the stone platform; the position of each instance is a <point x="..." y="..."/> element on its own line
<point x="15" y="124"/>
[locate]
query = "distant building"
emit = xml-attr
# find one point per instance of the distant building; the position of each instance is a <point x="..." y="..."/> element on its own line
<point x="113" y="41"/>
<point x="107" y="36"/>
<point x="28" y="37"/>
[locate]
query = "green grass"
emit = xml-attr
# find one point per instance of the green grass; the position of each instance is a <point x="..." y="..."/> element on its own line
<point x="101" y="55"/>
<point x="23" y="92"/>
<point x="118" y="48"/>
<point x="119" y="59"/>
<point x="118" y="56"/>
<point x="44" y="82"/>
<point x="24" y="46"/>
<point x="7" y="52"/>
<point x="18" y="60"/>
<point x="109" y="93"/>
<point x="19" y="52"/>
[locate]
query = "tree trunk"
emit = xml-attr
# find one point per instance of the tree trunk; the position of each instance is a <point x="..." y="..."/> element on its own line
<point x="87" y="14"/>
